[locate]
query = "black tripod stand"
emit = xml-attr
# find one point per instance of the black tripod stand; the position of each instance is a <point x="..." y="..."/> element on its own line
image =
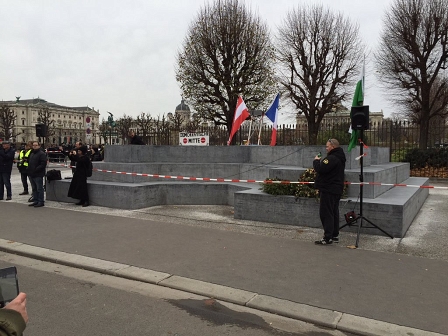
<point x="360" y="218"/>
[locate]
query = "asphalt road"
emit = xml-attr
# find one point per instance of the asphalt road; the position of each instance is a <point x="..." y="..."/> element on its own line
<point x="68" y="301"/>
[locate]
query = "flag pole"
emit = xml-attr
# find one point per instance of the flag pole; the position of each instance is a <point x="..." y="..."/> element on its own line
<point x="259" y="131"/>
<point x="250" y="131"/>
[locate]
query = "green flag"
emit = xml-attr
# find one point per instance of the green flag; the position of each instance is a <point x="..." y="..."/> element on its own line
<point x="358" y="100"/>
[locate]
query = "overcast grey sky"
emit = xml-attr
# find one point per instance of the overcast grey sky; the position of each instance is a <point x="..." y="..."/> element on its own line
<point x="119" y="55"/>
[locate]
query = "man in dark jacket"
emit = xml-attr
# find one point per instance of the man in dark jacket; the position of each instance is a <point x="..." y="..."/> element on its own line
<point x="36" y="172"/>
<point x="135" y="139"/>
<point x="78" y="145"/>
<point x="330" y="183"/>
<point x="6" y="161"/>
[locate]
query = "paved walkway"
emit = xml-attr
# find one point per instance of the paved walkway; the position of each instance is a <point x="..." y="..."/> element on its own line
<point x="387" y="286"/>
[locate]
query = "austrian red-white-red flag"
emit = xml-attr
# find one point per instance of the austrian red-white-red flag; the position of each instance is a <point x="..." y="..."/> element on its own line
<point x="241" y="114"/>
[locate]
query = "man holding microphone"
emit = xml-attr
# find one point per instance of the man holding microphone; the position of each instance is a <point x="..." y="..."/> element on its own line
<point x="330" y="183"/>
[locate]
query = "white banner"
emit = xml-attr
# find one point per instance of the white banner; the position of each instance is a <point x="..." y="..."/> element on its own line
<point x="193" y="139"/>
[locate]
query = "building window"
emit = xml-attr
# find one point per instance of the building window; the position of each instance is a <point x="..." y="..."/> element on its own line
<point x="23" y="122"/>
<point x="23" y="112"/>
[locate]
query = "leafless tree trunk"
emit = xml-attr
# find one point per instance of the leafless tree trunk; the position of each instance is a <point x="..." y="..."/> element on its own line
<point x="178" y="121"/>
<point x="227" y="52"/>
<point x="162" y="130"/>
<point x="145" y="121"/>
<point x="7" y="120"/>
<point x="320" y="54"/>
<point x="412" y="59"/>
<point x="44" y="117"/>
<point x="104" y="130"/>
<point x="124" y="124"/>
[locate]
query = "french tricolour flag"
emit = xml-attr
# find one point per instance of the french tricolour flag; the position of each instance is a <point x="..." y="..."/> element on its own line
<point x="272" y="114"/>
<point x="241" y="114"/>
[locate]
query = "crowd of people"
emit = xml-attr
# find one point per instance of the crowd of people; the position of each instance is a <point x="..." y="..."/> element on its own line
<point x="31" y="161"/>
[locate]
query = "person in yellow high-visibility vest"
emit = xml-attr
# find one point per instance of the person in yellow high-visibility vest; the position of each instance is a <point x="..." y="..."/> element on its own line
<point x="23" y="166"/>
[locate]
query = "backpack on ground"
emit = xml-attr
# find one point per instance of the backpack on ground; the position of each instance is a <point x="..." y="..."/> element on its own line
<point x="53" y="175"/>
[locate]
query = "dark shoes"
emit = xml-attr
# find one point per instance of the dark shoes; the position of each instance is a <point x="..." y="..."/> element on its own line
<point x="80" y="203"/>
<point x="324" y="241"/>
<point x="31" y="199"/>
<point x="8" y="198"/>
<point x="24" y="193"/>
<point x="36" y="205"/>
<point x="335" y="240"/>
<point x="86" y="204"/>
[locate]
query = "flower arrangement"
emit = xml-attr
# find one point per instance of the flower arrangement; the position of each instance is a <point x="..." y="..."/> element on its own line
<point x="296" y="189"/>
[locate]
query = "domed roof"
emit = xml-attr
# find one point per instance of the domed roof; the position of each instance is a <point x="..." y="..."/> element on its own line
<point x="182" y="106"/>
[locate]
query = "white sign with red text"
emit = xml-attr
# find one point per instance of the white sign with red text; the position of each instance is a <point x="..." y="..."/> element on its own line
<point x="193" y="139"/>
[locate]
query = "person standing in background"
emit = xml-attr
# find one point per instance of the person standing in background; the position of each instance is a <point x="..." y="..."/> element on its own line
<point x="78" y="144"/>
<point x="22" y="165"/>
<point x="78" y="185"/>
<point x="6" y="162"/>
<point x="135" y="139"/>
<point x="36" y="172"/>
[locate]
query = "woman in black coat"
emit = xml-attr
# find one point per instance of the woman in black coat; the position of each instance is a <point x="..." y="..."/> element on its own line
<point x="78" y="185"/>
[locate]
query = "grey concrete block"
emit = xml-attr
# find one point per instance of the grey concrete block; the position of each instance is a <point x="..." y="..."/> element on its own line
<point x="386" y="173"/>
<point x="259" y="206"/>
<point x="143" y="195"/>
<point x="286" y="173"/>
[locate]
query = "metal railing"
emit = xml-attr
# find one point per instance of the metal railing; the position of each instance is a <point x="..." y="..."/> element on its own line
<point x="401" y="137"/>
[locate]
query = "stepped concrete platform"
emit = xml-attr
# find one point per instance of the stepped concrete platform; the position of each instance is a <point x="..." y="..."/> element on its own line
<point x="393" y="211"/>
<point x="132" y="196"/>
<point x="394" y="207"/>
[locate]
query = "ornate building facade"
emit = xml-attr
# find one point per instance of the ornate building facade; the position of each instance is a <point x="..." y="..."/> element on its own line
<point x="342" y="115"/>
<point x="68" y="124"/>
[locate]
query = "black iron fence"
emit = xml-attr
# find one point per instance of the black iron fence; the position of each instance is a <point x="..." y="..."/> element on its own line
<point x="401" y="137"/>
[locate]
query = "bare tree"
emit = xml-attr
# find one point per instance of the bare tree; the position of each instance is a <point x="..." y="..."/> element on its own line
<point x="227" y="52"/>
<point x="44" y="117"/>
<point x="162" y="128"/>
<point x="104" y="130"/>
<point x="320" y="54"/>
<point x="7" y="120"/>
<point x="193" y="125"/>
<point x="412" y="59"/>
<point x="123" y="125"/>
<point x="144" y="122"/>
<point x="178" y="121"/>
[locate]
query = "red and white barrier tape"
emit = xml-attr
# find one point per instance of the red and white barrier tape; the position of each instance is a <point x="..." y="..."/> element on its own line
<point x="208" y="179"/>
